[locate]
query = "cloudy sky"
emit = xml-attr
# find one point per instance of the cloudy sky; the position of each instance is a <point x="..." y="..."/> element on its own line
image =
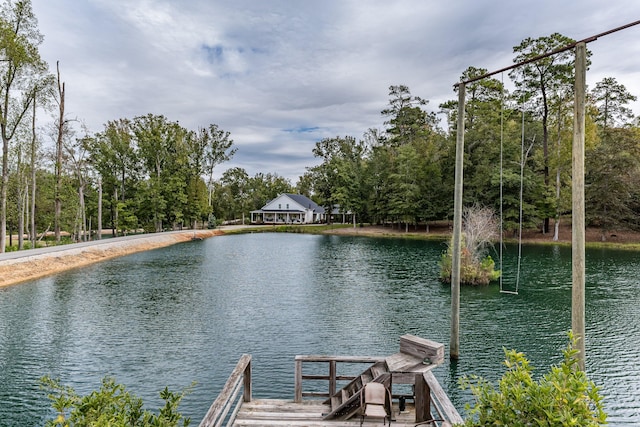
<point x="283" y="74"/>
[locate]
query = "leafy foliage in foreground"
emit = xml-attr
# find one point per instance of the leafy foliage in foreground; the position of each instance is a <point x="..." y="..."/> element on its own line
<point x="110" y="406"/>
<point x="562" y="397"/>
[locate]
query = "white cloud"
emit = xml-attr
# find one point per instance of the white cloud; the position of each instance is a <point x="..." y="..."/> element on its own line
<point x="281" y="75"/>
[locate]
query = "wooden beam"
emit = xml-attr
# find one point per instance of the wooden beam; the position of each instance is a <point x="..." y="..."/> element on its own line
<point x="449" y="412"/>
<point x="422" y="399"/>
<point x="454" y="343"/>
<point x="578" y="210"/>
<point x="553" y="52"/>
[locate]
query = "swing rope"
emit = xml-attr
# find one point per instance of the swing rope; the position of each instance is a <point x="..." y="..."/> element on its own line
<point x="522" y="154"/>
<point x="501" y="178"/>
<point x="522" y="160"/>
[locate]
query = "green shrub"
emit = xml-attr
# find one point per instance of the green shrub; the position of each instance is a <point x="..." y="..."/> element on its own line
<point x="562" y="397"/>
<point x="111" y="406"/>
<point x="471" y="271"/>
<point x="479" y="231"/>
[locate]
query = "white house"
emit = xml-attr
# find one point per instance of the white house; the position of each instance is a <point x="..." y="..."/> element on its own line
<point x="289" y="209"/>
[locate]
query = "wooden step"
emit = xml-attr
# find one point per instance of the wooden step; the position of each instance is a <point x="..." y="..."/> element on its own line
<point x="346" y="402"/>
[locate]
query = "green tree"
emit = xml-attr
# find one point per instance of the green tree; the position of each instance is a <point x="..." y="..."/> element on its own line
<point x="350" y="188"/>
<point x="490" y="120"/>
<point x="305" y="184"/>
<point x="237" y="181"/>
<point x="612" y="99"/>
<point x="413" y="153"/>
<point x="537" y="80"/>
<point x="217" y="149"/>
<point x="612" y="168"/>
<point x="378" y="180"/>
<point x="407" y="119"/>
<point x="265" y="187"/>
<point x="404" y="201"/>
<point x="611" y="181"/>
<point x="114" y="155"/>
<point x="206" y="148"/>
<point x="78" y="159"/>
<point x="157" y="142"/>
<point x="339" y="180"/>
<point x="325" y="175"/>
<point x="21" y="69"/>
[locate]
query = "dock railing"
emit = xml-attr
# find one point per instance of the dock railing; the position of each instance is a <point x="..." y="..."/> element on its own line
<point x="431" y="401"/>
<point x="440" y="406"/>
<point x="229" y="399"/>
<point x="332" y="376"/>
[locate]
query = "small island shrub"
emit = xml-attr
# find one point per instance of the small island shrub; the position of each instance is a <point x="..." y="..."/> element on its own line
<point x="471" y="272"/>
<point x="110" y="406"/>
<point x="476" y="266"/>
<point x="562" y="397"/>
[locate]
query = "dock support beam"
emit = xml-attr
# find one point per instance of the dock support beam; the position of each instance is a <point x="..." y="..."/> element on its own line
<point x="454" y="343"/>
<point x="578" y="222"/>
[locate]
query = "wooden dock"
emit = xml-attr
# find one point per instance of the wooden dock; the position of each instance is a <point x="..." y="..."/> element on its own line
<point x="273" y="412"/>
<point x="417" y="399"/>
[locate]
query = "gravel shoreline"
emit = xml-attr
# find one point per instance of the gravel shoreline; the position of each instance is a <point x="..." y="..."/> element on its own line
<point x="17" y="267"/>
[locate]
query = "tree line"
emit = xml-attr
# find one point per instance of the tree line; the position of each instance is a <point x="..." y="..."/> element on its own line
<point x="517" y="142"/>
<point x="151" y="173"/>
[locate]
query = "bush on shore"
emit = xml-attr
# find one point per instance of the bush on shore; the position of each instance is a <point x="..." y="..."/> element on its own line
<point x="112" y="405"/>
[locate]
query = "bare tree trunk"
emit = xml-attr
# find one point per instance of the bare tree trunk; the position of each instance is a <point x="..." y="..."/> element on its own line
<point x="3" y="192"/>
<point x="61" y="123"/>
<point x="27" y="207"/>
<point x="20" y="198"/>
<point x="556" y="232"/>
<point x="34" y="233"/>
<point x="114" y="231"/>
<point x="83" y="211"/>
<point x="556" y="226"/>
<point x="22" y="208"/>
<point x="99" y="225"/>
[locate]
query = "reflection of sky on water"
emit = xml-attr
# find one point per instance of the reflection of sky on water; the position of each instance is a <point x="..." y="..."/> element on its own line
<point x="186" y="313"/>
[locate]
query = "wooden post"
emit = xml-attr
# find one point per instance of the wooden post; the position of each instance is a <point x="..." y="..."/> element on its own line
<point x="332" y="378"/>
<point x="246" y="395"/>
<point x="422" y="399"/>
<point x="298" y="382"/>
<point x="454" y="343"/>
<point x="578" y="220"/>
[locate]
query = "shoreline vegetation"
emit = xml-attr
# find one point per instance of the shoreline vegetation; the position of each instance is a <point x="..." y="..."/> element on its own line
<point x="34" y="264"/>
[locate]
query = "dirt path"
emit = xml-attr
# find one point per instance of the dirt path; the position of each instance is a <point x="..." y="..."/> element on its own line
<point x="443" y="231"/>
<point x="16" y="267"/>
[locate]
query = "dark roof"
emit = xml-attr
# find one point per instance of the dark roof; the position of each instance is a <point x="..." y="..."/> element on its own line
<point x="306" y="202"/>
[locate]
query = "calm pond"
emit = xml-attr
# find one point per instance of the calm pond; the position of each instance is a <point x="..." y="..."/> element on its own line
<point x="186" y="313"/>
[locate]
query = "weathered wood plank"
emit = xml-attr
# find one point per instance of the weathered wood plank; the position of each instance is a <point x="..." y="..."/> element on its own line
<point x="268" y="412"/>
<point x="229" y="389"/>
<point x="422" y="348"/>
<point x="422" y="399"/>
<point x="298" y="380"/>
<point x="403" y="362"/>
<point x="449" y="411"/>
<point x="350" y="359"/>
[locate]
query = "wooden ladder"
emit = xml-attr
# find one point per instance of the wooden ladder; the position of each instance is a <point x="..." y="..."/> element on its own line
<point x="345" y="403"/>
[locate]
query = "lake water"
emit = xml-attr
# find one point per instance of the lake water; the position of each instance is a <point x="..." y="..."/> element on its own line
<point x="187" y="312"/>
